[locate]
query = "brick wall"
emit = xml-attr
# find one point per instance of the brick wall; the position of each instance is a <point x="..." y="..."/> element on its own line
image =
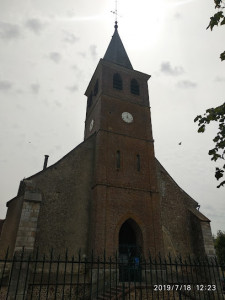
<point x="64" y="212"/>
<point x="10" y="226"/>
<point x="185" y="230"/>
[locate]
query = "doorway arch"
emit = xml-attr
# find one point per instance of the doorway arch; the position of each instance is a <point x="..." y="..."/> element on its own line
<point x="130" y="251"/>
<point x="130" y="238"/>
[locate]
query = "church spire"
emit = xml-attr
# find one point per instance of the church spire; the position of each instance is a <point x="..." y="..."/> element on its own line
<point x="116" y="52"/>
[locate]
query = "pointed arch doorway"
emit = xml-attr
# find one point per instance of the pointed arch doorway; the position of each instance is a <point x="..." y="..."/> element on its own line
<point x="130" y="251"/>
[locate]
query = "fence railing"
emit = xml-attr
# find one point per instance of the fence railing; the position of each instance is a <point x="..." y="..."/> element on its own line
<point x="33" y="276"/>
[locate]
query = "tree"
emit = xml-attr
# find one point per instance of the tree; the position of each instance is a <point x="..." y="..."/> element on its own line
<point x="219" y="243"/>
<point x="216" y="114"/>
<point x="218" y="19"/>
<point x="218" y="152"/>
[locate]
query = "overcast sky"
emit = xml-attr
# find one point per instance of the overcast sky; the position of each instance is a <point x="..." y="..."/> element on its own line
<point x="48" y="52"/>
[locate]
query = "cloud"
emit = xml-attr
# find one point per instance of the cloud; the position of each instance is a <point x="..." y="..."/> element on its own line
<point x="70" y="38"/>
<point x="74" y="67"/>
<point x="180" y="2"/>
<point x="9" y="31"/>
<point x="35" y="25"/>
<point x="72" y="88"/>
<point x="177" y="16"/>
<point x="186" y="84"/>
<point x="58" y="147"/>
<point x="19" y="91"/>
<point x="20" y="107"/>
<point x="93" y="51"/>
<point x="83" y="54"/>
<point x="35" y="88"/>
<point x="79" y="72"/>
<point x="57" y="103"/>
<point x="220" y="79"/>
<point x="5" y="85"/>
<point x="169" y="70"/>
<point x="55" y="56"/>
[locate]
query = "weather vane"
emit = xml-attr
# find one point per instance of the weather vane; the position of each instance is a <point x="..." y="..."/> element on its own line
<point x="115" y="12"/>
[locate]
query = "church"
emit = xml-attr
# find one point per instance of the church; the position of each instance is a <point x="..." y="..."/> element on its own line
<point x="109" y="193"/>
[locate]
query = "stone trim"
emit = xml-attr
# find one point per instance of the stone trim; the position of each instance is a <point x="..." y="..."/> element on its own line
<point x="28" y="221"/>
<point x="32" y="196"/>
<point x="125" y="187"/>
<point x="207" y="239"/>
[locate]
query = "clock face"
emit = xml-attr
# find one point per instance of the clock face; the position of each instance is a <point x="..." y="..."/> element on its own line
<point x="91" y="125"/>
<point x="127" y="117"/>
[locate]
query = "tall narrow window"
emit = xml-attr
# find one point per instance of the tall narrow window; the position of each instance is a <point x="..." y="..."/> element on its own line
<point x="117" y="82"/>
<point x="89" y="101"/>
<point x="134" y="87"/>
<point x="96" y="88"/>
<point x="138" y="162"/>
<point x="118" y="159"/>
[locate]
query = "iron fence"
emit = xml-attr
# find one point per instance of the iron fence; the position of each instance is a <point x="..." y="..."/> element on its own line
<point x="34" y="276"/>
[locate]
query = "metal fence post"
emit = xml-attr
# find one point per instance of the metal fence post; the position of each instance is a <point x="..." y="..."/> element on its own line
<point x="123" y="285"/>
<point x="19" y="275"/>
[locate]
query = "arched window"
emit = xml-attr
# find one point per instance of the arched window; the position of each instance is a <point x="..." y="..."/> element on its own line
<point x="89" y="101"/>
<point x="117" y="82"/>
<point x="134" y="87"/>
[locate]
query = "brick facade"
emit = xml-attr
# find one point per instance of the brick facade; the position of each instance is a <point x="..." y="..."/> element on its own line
<point x="124" y="192"/>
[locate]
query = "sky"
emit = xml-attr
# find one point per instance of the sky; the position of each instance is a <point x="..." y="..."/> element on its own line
<point x="49" y="50"/>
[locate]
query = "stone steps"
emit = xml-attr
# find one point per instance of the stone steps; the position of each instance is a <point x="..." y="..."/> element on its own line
<point x="114" y="293"/>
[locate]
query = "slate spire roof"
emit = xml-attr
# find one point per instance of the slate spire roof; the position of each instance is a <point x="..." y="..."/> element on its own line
<point x="116" y="52"/>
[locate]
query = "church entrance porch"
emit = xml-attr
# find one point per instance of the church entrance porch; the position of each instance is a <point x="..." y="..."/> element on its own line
<point x="130" y="252"/>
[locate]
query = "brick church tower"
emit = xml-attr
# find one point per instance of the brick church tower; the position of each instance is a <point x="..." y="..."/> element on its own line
<point x="125" y="203"/>
<point x="110" y="192"/>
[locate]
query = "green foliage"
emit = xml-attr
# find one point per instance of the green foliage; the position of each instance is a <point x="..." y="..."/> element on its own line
<point x="216" y="114"/>
<point x="219" y="243"/>
<point x="218" y="19"/>
<point x="222" y="56"/>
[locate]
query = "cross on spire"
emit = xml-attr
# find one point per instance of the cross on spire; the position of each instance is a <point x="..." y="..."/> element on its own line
<point x="116" y="14"/>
